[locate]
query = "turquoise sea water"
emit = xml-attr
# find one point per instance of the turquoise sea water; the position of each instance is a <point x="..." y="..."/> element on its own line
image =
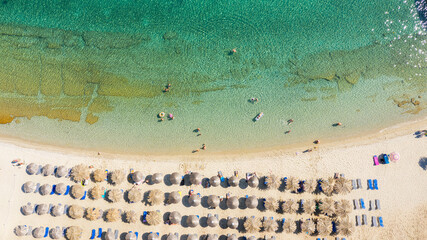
<point x="316" y="62"/>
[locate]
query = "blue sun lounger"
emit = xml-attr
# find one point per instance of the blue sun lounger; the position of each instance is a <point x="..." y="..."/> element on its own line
<point x="144" y="216"/>
<point x="370" y="184"/>
<point x="37" y="188"/>
<point x="375" y="184"/>
<point x="53" y="190"/>
<point x="319" y="185"/>
<point x="385" y="157"/>
<point x="68" y="190"/>
<point x="47" y="232"/>
<point x="362" y="203"/>
<point x="380" y="221"/>
<point x="99" y="232"/>
<point x="93" y="234"/>
<point x="285" y="181"/>
<point x="84" y="196"/>
<point x="334" y="227"/>
<point x="136" y="234"/>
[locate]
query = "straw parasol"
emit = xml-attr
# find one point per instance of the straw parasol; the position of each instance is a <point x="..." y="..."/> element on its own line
<point x="273" y="182"/>
<point x="215" y="181"/>
<point x="138" y="177"/>
<point x="134" y="195"/>
<point x="212" y="221"/>
<point x="80" y="173"/>
<point x="253" y="182"/>
<point x="114" y="195"/>
<point x="232" y="237"/>
<point x="270" y="225"/>
<point x="77" y="191"/>
<point x="289" y="226"/>
<point x="174" y="197"/>
<point x="29" y="187"/>
<point x="60" y="188"/>
<point x="99" y="175"/>
<point x="213" y="201"/>
<point x="327" y="207"/>
<point x="109" y="235"/>
<point x="328" y="186"/>
<point x="21" y="230"/>
<point x="73" y="233"/>
<point x="61" y="171"/>
<point x="153" y="236"/>
<point x="251" y="202"/>
<point x="212" y="236"/>
<point x="342" y="185"/>
<point x="130" y="236"/>
<point x="192" y="237"/>
<point x="233" y="181"/>
<point x="310" y="185"/>
<point x="232" y="202"/>
<point x="195" y="178"/>
<point x="309" y="206"/>
<point x="175" y="178"/>
<point x="193" y="221"/>
<point x="32" y="168"/>
<point x="27" y="209"/>
<point x="252" y="225"/>
<point x="113" y="214"/>
<point x="233" y="223"/>
<point x="45" y="189"/>
<point x="345" y="227"/>
<point x="290" y="206"/>
<point x="48" y="169"/>
<point x="93" y="213"/>
<point x="154" y="218"/>
<point x="172" y="237"/>
<point x="38" y="232"/>
<point x="117" y="177"/>
<point x="271" y="204"/>
<point x="96" y="192"/>
<point x="324" y="226"/>
<point x="175" y="217"/>
<point x="56" y="233"/>
<point x="75" y="211"/>
<point x="343" y="208"/>
<point x="157" y="178"/>
<point x="131" y="216"/>
<point x="292" y="184"/>
<point x="156" y="197"/>
<point x="42" y="209"/>
<point x="57" y="210"/>
<point x="194" y="200"/>
<point x="308" y="227"/>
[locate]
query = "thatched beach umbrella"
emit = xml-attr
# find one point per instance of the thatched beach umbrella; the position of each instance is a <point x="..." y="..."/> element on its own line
<point x="93" y="214"/>
<point x="252" y="224"/>
<point x="75" y="211"/>
<point x="56" y="233"/>
<point x="213" y="201"/>
<point x="232" y="202"/>
<point x="109" y="235"/>
<point x="57" y="210"/>
<point x="32" y="168"/>
<point x="309" y="206"/>
<point x="253" y="182"/>
<point x="156" y="197"/>
<point x="130" y="236"/>
<point x="38" y="232"/>
<point x="96" y="192"/>
<point x="138" y="177"/>
<point x="21" y="230"/>
<point x="324" y="226"/>
<point x="74" y="233"/>
<point x="27" y="209"/>
<point x="117" y="177"/>
<point x="345" y="227"/>
<point x="60" y="188"/>
<point x="233" y="222"/>
<point x="343" y="208"/>
<point x="273" y="182"/>
<point x="308" y="227"/>
<point x="77" y="191"/>
<point x="157" y="178"/>
<point x="327" y="206"/>
<point x="131" y="216"/>
<point x="48" y="169"/>
<point x="233" y="181"/>
<point x="290" y="206"/>
<point x="310" y="185"/>
<point x="195" y="178"/>
<point x="114" y="195"/>
<point x="42" y="209"/>
<point x="292" y="184"/>
<point x="271" y="204"/>
<point x="45" y="189"/>
<point x="172" y="236"/>
<point x="175" y="178"/>
<point x="342" y="185"/>
<point x="232" y="237"/>
<point x="193" y="237"/>
<point x="215" y="181"/>
<point x="80" y="173"/>
<point x="175" y="217"/>
<point x="154" y="218"/>
<point x="270" y="225"/>
<point x="212" y="236"/>
<point x="61" y="171"/>
<point x="134" y="195"/>
<point x="212" y="221"/>
<point x="29" y="187"/>
<point x="289" y="226"/>
<point x="251" y="202"/>
<point x="113" y="214"/>
<point x="174" y="197"/>
<point x="193" y="221"/>
<point x="194" y="200"/>
<point x="328" y="185"/>
<point x="99" y="175"/>
<point x="153" y="236"/>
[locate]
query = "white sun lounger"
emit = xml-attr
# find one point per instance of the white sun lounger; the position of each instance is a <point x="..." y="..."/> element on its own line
<point x="358" y="222"/>
<point x="374" y="221"/>
<point x="377" y="203"/>
<point x="364" y="219"/>
<point x="354" y="184"/>
<point x="371" y="206"/>
<point x="356" y="204"/>
<point x="359" y="183"/>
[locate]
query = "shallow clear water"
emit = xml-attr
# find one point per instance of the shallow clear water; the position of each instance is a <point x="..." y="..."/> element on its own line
<point x="91" y="74"/>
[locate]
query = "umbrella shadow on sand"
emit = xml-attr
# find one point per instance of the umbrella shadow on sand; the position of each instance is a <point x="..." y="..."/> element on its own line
<point x="423" y="163"/>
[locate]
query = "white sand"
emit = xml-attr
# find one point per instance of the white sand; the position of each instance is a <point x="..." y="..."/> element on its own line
<point x="402" y="186"/>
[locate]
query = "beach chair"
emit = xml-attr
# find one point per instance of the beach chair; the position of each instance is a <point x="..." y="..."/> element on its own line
<point x="37" y="188"/>
<point x="319" y="185"/>
<point x="144" y="216"/>
<point x="358" y="222"/>
<point x="50" y="208"/>
<point x="371" y="206"/>
<point x="356" y="204"/>
<point x="106" y="175"/>
<point x="334" y="227"/>
<point x="386" y="160"/>
<point x="364" y="219"/>
<point x="116" y="234"/>
<point x="301" y="186"/>
<point x="359" y="183"/>
<point x="68" y="190"/>
<point x="376" y="162"/>
<point x="370" y="187"/>
<point x="221" y="176"/>
<point x="39" y="171"/>
<point x="84" y="196"/>
<point x="375" y="184"/>
<point x="30" y="230"/>
<point x="354" y="184"/>
<point x="99" y="233"/>
<point x="65" y="209"/>
<point x="53" y="190"/>
<point x="374" y="221"/>
<point x="64" y="229"/>
<point x="136" y="234"/>
<point x="380" y="220"/>
<point x="93" y="234"/>
<point x="362" y="203"/>
<point x="46" y="232"/>
<point x="377" y="203"/>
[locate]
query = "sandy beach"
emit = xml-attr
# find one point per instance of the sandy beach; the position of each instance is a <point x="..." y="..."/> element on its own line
<point x="401" y="185"/>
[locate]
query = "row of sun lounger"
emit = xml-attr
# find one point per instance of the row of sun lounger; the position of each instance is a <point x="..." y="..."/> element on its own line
<point x="364" y="221"/>
<point x="372" y="184"/>
<point x="360" y="204"/>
